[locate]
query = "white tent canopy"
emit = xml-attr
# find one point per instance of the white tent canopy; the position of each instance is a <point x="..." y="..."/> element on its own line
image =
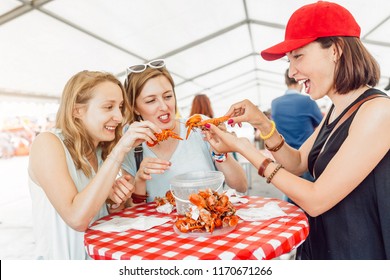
<point x="210" y="46"/>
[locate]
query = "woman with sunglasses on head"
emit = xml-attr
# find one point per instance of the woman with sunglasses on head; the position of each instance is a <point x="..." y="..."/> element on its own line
<point x="150" y="90"/>
<point x="348" y="155"/>
<point x="73" y="170"/>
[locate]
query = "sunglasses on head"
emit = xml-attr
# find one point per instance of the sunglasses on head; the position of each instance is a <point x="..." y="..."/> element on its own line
<point x="139" y="68"/>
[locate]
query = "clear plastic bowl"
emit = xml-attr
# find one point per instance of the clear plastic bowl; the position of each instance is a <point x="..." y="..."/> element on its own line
<point x="183" y="185"/>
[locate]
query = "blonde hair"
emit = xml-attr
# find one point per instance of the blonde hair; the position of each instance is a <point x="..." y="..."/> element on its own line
<point x="79" y="90"/>
<point x="135" y="82"/>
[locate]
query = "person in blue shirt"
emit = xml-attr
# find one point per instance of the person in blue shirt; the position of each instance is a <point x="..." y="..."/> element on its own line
<point x="296" y="115"/>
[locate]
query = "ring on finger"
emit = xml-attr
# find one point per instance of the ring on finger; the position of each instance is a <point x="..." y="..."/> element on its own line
<point x="146" y="173"/>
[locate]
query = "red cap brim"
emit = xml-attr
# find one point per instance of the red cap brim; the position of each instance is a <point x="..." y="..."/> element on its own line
<point x="280" y="50"/>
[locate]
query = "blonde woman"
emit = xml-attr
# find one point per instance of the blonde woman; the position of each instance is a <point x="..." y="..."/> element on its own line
<point x="73" y="170"/>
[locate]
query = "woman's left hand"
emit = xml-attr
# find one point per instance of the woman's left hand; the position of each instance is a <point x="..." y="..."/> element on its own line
<point x="221" y="141"/>
<point x="121" y="191"/>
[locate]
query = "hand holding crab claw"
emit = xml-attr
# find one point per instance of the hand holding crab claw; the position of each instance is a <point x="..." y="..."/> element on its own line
<point x="196" y="121"/>
<point x="139" y="132"/>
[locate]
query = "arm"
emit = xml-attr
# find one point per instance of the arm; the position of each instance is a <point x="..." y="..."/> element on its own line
<point x="148" y="166"/>
<point x="345" y="171"/>
<point x="293" y="160"/>
<point x="48" y="168"/>
<point x="234" y="173"/>
<point x="235" y="176"/>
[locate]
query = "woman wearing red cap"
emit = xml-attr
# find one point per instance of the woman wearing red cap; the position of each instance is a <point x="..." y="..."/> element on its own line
<point x="348" y="155"/>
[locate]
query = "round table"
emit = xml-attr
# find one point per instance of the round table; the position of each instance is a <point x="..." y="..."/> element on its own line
<point x="249" y="240"/>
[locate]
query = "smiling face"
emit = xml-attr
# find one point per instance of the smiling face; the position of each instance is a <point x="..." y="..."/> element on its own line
<point x="103" y="112"/>
<point x="156" y="102"/>
<point x="315" y="67"/>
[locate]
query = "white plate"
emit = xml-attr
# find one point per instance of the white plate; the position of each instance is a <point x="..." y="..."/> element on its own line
<point x="216" y="232"/>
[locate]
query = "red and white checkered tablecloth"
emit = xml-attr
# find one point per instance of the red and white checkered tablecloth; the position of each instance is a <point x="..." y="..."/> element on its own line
<point x="248" y="241"/>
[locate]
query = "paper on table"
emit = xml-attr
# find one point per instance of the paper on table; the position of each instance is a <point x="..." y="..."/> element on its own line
<point x="234" y="197"/>
<point x="166" y="208"/>
<point x="268" y="211"/>
<point x="123" y="224"/>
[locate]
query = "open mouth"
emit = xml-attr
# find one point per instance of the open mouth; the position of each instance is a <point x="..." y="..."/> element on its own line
<point x="110" y="128"/>
<point x="164" y="118"/>
<point x="306" y="83"/>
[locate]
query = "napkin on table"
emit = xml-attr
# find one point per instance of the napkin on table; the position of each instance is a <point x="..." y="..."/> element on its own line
<point x="166" y="208"/>
<point x="123" y="224"/>
<point x="234" y="197"/>
<point x="268" y="211"/>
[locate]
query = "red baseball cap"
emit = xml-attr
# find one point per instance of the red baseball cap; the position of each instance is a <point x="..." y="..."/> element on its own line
<point x="313" y="21"/>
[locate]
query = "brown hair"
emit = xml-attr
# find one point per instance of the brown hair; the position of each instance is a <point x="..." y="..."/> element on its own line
<point x="201" y="105"/>
<point x="78" y="90"/>
<point x="135" y="82"/>
<point x="356" y="67"/>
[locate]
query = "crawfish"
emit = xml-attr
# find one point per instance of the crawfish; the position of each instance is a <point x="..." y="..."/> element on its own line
<point x="198" y="200"/>
<point x="215" y="211"/>
<point x="230" y="221"/>
<point x="169" y="198"/>
<point x="196" y="121"/>
<point x="164" y="135"/>
<point x="188" y="225"/>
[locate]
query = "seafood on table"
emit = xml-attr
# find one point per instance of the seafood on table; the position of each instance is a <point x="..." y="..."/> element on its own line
<point x="168" y="198"/>
<point x="211" y="210"/>
<point x="196" y="121"/>
<point x="165" y="204"/>
<point x="164" y="135"/>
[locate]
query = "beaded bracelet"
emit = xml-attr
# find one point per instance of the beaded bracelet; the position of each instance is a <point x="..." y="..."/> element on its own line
<point x="270" y="133"/>
<point x="277" y="147"/>
<point x="219" y="157"/>
<point x="139" y="198"/>
<point x="279" y="166"/>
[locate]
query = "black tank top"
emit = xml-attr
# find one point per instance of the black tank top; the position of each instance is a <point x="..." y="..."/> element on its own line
<point x="358" y="227"/>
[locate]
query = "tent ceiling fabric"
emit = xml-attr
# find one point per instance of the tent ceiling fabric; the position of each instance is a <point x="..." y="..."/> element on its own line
<point x="210" y="46"/>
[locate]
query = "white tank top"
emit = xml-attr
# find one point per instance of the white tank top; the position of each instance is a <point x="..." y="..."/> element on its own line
<point x="53" y="237"/>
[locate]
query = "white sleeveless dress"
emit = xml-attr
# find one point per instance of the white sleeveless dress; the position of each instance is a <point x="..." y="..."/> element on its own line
<point x="53" y="237"/>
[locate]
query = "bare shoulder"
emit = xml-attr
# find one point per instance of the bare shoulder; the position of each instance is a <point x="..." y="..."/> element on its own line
<point x="377" y="109"/>
<point x="45" y="141"/>
<point x="373" y="118"/>
<point x="46" y="152"/>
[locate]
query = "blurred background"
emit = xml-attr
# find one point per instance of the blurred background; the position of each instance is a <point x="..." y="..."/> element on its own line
<point x="210" y="46"/>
